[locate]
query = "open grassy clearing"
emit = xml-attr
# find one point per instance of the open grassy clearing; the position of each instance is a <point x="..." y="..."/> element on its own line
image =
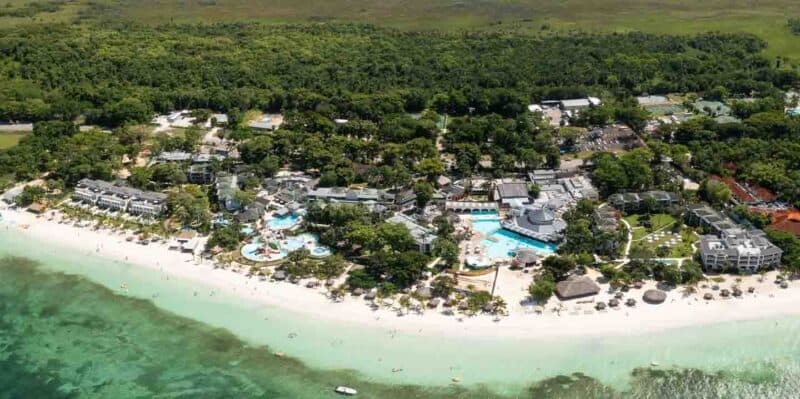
<point x="10" y="139"/>
<point x="658" y="221"/>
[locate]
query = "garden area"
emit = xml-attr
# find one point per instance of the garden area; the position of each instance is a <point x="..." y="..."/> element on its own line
<point x="660" y="235"/>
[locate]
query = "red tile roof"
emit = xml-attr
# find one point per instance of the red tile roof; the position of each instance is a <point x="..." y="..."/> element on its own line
<point x="739" y="193"/>
<point x="789" y="223"/>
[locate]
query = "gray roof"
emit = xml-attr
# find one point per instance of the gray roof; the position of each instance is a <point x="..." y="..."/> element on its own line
<point x="512" y="190"/>
<point x="422" y="235"/>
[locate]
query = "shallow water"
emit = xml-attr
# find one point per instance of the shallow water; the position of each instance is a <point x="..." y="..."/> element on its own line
<point x="68" y="336"/>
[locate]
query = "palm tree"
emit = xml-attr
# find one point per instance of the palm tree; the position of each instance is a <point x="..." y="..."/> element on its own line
<point x="499" y="306"/>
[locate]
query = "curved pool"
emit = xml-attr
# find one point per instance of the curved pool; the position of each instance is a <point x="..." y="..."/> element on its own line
<point x="283" y="222"/>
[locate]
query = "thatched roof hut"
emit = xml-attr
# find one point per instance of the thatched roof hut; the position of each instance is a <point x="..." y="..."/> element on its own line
<point x="576" y="287"/>
<point x="526" y="257"/>
<point x="424" y="292"/>
<point x="279" y="275"/>
<point x="654" y="297"/>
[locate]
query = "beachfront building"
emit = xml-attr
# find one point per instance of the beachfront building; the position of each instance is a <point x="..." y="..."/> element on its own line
<point x="633" y="202"/>
<point x="109" y="196"/>
<point x="148" y="204"/>
<point x="11" y="194"/>
<point x="536" y="222"/>
<point x="423" y="236"/>
<point x="738" y="249"/>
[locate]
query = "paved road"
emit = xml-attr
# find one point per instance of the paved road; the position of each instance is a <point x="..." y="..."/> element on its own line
<point x="16" y="127"/>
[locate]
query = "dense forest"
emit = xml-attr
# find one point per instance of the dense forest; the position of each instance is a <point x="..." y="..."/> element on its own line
<point x="119" y="73"/>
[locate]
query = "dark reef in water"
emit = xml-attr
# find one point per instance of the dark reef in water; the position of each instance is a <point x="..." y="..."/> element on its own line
<point x="63" y="336"/>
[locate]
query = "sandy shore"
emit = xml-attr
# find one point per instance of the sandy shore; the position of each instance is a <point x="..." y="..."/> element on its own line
<point x="577" y="320"/>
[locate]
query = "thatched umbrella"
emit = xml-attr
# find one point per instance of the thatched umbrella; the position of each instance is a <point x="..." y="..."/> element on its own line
<point x="654" y="297"/>
<point x="526" y="257"/>
<point x="737" y="292"/>
<point x="724" y="293"/>
<point x="638" y="285"/>
<point x="312" y="284"/>
<point x="708" y="296"/>
<point x="751" y="289"/>
<point x="358" y="292"/>
<point x="630" y="302"/>
<point x="625" y="288"/>
<point x="433" y="303"/>
<point x="715" y="287"/>
<point x="619" y="295"/>
<point x="463" y="306"/>
<point x="784" y="284"/>
<point x="613" y="303"/>
<point x="279" y="275"/>
<point x="600" y="306"/>
<point x="424" y="292"/>
<point x="371" y="295"/>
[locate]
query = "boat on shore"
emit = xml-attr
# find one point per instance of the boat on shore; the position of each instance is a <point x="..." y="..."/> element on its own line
<point x="346" y="391"/>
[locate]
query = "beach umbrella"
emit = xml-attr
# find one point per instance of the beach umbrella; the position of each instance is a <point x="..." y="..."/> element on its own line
<point x="433" y="303"/>
<point x="638" y="285"/>
<point x="619" y="295"/>
<point x="358" y="292"/>
<point x="630" y="302"/>
<point x="715" y="287"/>
<point x="737" y="292"/>
<point x="725" y="293"/>
<point x="600" y="306"/>
<point x="613" y="303"/>
<point x="654" y="296"/>
<point x="370" y="295"/>
<point x="708" y="296"/>
<point x="784" y="284"/>
<point x="751" y="289"/>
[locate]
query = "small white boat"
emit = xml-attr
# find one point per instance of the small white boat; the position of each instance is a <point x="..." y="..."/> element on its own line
<point x="347" y="391"/>
<point x="654" y="364"/>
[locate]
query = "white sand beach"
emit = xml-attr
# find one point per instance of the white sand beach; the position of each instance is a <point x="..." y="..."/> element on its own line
<point x="576" y="319"/>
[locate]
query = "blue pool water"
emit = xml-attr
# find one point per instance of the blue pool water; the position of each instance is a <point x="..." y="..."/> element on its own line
<point x="283" y="222"/>
<point x="503" y="242"/>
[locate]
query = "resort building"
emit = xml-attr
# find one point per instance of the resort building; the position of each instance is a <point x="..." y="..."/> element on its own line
<point x="606" y="219"/>
<point x="580" y="187"/>
<point x="632" y="202"/>
<point x="200" y="173"/>
<point x="470" y="206"/>
<point x="709" y="218"/>
<point x="745" y="251"/>
<point x="174" y="156"/>
<point x="578" y="104"/>
<point x="11" y="194"/>
<point x="345" y="194"/>
<point x="511" y="193"/>
<point x="148" y="204"/>
<point x="227" y="186"/>
<point x="267" y="122"/>
<point x="543" y="176"/>
<point x="535" y="222"/>
<point x="423" y="236"/>
<point x="107" y="195"/>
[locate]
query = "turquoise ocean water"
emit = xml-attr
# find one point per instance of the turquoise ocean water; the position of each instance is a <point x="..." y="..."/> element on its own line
<point x="67" y="330"/>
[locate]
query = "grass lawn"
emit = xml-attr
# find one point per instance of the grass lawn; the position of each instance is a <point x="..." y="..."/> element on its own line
<point x="10" y="139"/>
<point x="682" y="249"/>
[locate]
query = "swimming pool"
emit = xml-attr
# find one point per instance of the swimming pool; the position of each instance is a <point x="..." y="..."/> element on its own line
<point x="258" y="252"/>
<point x="283" y="222"/>
<point x="501" y="243"/>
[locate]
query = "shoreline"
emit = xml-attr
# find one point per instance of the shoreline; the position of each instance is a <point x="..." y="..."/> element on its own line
<point x="676" y="312"/>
